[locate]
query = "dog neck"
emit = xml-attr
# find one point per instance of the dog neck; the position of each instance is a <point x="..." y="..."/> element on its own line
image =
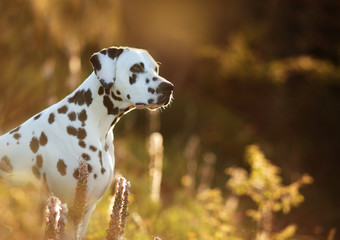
<point x="105" y="106"/>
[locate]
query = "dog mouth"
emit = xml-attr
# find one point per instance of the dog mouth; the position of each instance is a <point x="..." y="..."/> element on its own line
<point x="162" y="101"/>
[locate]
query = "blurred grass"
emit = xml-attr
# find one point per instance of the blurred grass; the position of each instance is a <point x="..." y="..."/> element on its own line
<point x="209" y="215"/>
<point x="21" y="210"/>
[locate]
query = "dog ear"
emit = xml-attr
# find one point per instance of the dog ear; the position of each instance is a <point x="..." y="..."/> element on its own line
<point x="104" y="65"/>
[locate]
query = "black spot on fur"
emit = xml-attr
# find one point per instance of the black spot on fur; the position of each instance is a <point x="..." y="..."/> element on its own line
<point x="101" y="162"/>
<point x="39" y="161"/>
<point x="95" y="62"/>
<point x="137" y="68"/>
<point x="61" y="166"/>
<point x="17" y="136"/>
<point x="86" y="157"/>
<point x="43" y="139"/>
<point x="34" y="144"/>
<point x="133" y="79"/>
<point x="81" y="133"/>
<point x="76" y="173"/>
<point x="106" y="85"/>
<point x="147" y="80"/>
<point x="118" y="92"/>
<point x="114" y="52"/>
<point x="72" y="116"/>
<point x="103" y="51"/>
<point x="154" y="78"/>
<point x="101" y="90"/>
<point x="51" y="118"/>
<point x="151" y="90"/>
<point x="71" y="131"/>
<point x="115" y="97"/>
<point x="36" y="172"/>
<point x="89" y="168"/>
<point x="94" y="176"/>
<point x="14" y="130"/>
<point x="128" y="96"/>
<point x="109" y="106"/>
<point x="140" y="103"/>
<point x="5" y="165"/>
<point x="82" y="116"/>
<point x="82" y="144"/>
<point x="100" y="158"/>
<point x="107" y="91"/>
<point x="62" y="109"/>
<point x="92" y="148"/>
<point x="150" y="101"/>
<point x="37" y="116"/>
<point x="81" y="97"/>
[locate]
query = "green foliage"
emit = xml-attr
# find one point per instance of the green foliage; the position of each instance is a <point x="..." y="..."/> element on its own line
<point x="218" y="215"/>
<point x="264" y="186"/>
<point x="212" y="216"/>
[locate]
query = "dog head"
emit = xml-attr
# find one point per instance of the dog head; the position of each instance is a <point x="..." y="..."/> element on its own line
<point x="132" y="75"/>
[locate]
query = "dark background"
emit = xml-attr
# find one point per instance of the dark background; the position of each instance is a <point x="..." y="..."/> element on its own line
<point x="245" y="72"/>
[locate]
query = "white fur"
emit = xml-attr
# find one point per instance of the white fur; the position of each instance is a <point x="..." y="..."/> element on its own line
<point x="19" y="155"/>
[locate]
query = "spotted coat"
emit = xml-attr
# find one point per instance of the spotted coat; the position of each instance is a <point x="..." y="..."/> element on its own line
<point x="47" y="147"/>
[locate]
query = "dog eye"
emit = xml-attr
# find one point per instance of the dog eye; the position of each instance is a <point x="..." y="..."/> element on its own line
<point x="137" y="68"/>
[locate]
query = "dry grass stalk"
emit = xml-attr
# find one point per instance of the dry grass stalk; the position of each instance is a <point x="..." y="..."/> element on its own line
<point x="62" y="223"/>
<point x="125" y="210"/>
<point x="156" y="164"/>
<point x="51" y="217"/>
<point x="77" y="210"/>
<point x="119" y="210"/>
<point x="191" y="152"/>
<point x="55" y="218"/>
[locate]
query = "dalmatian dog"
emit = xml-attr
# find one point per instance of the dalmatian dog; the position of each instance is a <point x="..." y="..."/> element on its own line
<point x="48" y="146"/>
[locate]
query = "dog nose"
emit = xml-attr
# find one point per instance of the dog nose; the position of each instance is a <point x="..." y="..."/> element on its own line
<point x="166" y="87"/>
